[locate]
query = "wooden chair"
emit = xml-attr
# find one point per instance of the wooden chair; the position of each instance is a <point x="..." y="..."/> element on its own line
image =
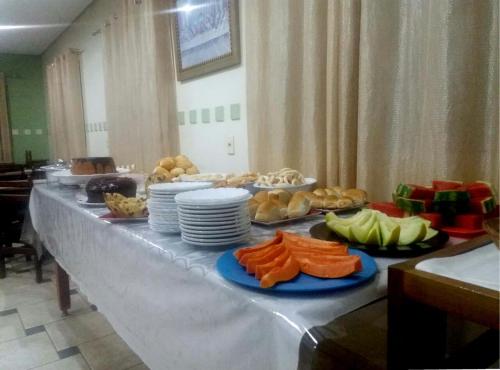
<point x="14" y="207"/>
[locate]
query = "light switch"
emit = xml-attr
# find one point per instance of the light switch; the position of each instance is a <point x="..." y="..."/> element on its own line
<point x="230" y="145"/>
<point x="27" y="131"/>
<point x="38" y="131"/>
<point x="15" y="132"/>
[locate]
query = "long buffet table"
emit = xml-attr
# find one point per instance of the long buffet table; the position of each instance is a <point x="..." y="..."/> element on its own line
<point x="166" y="300"/>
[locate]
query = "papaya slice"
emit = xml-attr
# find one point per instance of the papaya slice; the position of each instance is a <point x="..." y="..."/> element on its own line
<point x="342" y="266"/>
<point x="242" y="251"/>
<point x="261" y="270"/>
<point x="288" y="271"/>
<point x="264" y="258"/>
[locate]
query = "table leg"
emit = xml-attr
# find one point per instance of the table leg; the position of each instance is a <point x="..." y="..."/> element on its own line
<point x="62" y="286"/>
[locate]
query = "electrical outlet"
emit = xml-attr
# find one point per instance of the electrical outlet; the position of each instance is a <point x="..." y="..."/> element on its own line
<point x="230" y="145"/>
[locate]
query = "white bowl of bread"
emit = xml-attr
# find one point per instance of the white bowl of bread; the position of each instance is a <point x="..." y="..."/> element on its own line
<point x="286" y="179"/>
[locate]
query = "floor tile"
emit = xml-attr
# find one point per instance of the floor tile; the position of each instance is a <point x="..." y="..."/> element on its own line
<point x="34" y="330"/>
<point x="75" y="330"/>
<point x="68" y="352"/>
<point x="139" y="367"/>
<point x="110" y="352"/>
<point x="70" y="363"/>
<point x="27" y="352"/>
<point x="10" y="327"/>
<point x="16" y="291"/>
<point x="48" y="311"/>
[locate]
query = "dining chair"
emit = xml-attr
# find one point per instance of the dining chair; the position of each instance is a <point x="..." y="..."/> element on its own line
<point x="14" y="206"/>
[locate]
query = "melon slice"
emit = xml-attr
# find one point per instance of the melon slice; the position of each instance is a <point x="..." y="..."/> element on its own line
<point x="389" y="230"/>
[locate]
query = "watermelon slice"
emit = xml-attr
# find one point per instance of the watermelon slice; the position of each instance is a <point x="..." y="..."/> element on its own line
<point x="469" y="221"/>
<point x="435" y="218"/>
<point x="482" y="205"/>
<point x="480" y="189"/>
<point x="414" y="191"/>
<point x="446" y="185"/>
<point x="451" y="196"/>
<point x="412" y="206"/>
<point x="388" y="208"/>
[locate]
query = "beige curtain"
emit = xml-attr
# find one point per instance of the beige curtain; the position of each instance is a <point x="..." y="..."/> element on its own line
<point x="371" y="93"/>
<point x="5" y="141"/>
<point x="140" y="84"/>
<point x="65" y="109"/>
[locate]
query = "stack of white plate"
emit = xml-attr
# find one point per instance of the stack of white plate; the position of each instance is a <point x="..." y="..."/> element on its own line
<point x="214" y="217"/>
<point x="162" y="207"/>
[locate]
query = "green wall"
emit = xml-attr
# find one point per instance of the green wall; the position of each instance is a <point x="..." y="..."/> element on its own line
<point x="26" y="105"/>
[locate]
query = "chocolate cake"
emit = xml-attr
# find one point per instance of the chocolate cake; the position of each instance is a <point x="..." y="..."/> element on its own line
<point x="92" y="165"/>
<point x="97" y="186"/>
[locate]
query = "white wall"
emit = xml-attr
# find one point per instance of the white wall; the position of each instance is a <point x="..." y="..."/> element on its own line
<point x="94" y="99"/>
<point x="205" y="144"/>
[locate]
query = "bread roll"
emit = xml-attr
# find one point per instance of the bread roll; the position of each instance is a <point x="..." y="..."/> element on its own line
<point x="160" y="170"/>
<point x="330" y="201"/>
<point x="283" y="195"/>
<point x="320" y="192"/>
<point x="268" y="211"/>
<point x="177" y="171"/>
<point x="329" y="191"/>
<point x="316" y="202"/>
<point x="183" y="162"/>
<point x="344" y="202"/>
<point x="357" y="195"/>
<point x="261" y="196"/>
<point x="252" y="207"/>
<point x="193" y="170"/>
<point x="299" y="205"/>
<point x="337" y="190"/>
<point x="167" y="163"/>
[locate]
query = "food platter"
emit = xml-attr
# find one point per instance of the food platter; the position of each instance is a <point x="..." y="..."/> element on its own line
<point x="230" y="269"/>
<point x="311" y="214"/>
<point x="321" y="231"/>
<point x="108" y="217"/>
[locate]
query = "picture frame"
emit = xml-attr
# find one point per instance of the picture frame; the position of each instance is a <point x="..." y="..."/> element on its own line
<point x="206" y="37"/>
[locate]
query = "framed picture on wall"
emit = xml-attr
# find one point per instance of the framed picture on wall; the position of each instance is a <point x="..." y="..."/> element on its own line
<point x="207" y="37"/>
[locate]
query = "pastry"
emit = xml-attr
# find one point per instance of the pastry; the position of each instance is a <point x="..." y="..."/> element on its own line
<point x="252" y="207"/>
<point x="330" y="201"/>
<point x="268" y="211"/>
<point x="161" y="170"/>
<point x="121" y="206"/>
<point x="97" y="186"/>
<point x="357" y="195"/>
<point x="157" y="179"/>
<point x="282" y="178"/>
<point x="299" y="206"/>
<point x="193" y="170"/>
<point x="316" y="202"/>
<point x="177" y="171"/>
<point x="344" y="202"/>
<point x="92" y="165"/>
<point x="167" y="163"/>
<point x="282" y="195"/>
<point x="261" y="196"/>
<point x="320" y="192"/>
<point x="337" y="190"/>
<point x="181" y="161"/>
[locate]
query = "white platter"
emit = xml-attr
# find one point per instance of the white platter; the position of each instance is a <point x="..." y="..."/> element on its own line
<point x="215" y="198"/>
<point x="177" y="187"/>
<point x="307" y="186"/>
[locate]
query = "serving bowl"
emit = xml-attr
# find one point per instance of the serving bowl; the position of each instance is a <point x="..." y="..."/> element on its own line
<point x="309" y="185"/>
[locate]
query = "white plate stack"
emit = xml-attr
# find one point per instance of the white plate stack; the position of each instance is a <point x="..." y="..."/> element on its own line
<point x="214" y="217"/>
<point x="162" y="207"/>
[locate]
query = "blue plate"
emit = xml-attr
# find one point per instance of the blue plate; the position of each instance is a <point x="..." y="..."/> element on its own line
<point x="229" y="268"/>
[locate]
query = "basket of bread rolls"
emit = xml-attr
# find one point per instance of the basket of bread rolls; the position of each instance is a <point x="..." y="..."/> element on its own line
<point x="337" y="198"/>
<point x="272" y="207"/>
<point x="170" y="169"/>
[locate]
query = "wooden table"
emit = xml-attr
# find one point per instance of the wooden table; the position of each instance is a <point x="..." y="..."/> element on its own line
<point x="418" y="303"/>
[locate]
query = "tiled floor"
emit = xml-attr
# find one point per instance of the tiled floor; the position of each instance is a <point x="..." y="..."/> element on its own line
<point x="34" y="335"/>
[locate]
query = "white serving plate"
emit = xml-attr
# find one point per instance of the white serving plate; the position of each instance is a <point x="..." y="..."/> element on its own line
<point x="307" y="186"/>
<point x="211" y="235"/>
<point x="235" y="224"/>
<point x="215" y="198"/>
<point x="218" y="227"/>
<point x="215" y="220"/>
<point x="65" y="177"/>
<point x="170" y="188"/>
<point x="211" y="211"/>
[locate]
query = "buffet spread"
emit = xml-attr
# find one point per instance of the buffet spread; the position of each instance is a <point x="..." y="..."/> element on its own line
<point x="186" y="255"/>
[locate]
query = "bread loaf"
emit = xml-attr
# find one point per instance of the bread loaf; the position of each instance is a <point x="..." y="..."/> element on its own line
<point x="268" y="211"/>
<point x="330" y="201"/>
<point x="299" y="206"/>
<point x="283" y="195"/>
<point x="252" y="207"/>
<point x="261" y="196"/>
<point x="357" y="195"/>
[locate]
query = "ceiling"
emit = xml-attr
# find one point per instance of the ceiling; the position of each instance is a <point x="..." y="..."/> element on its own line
<point x="30" y="26"/>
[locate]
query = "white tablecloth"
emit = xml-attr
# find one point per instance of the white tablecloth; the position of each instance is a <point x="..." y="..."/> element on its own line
<point x="480" y="266"/>
<point x="167" y="301"/>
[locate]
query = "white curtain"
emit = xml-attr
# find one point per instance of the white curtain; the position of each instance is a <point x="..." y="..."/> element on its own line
<point x="370" y="93"/>
<point x="140" y="84"/>
<point x="65" y="109"/>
